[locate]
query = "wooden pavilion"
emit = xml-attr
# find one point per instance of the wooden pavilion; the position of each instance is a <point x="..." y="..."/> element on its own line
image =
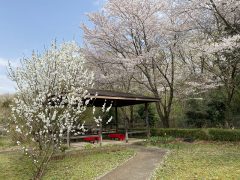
<point x="120" y="99"/>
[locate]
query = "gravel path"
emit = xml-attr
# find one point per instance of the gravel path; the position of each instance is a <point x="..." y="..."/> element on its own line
<point x="140" y="167"/>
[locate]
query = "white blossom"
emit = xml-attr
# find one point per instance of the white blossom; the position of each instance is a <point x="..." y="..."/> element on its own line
<point x="51" y="91"/>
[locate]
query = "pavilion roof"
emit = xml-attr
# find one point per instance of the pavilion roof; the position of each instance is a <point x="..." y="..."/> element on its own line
<point x="119" y="99"/>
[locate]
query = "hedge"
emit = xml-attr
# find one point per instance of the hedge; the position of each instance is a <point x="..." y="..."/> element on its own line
<point x="224" y="134"/>
<point x="201" y="134"/>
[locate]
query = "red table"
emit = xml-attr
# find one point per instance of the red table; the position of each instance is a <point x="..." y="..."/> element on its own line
<point x="120" y="137"/>
<point x="92" y="138"/>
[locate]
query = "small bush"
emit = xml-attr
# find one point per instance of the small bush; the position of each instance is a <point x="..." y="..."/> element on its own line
<point x="161" y="139"/>
<point x="88" y="146"/>
<point x="201" y="134"/>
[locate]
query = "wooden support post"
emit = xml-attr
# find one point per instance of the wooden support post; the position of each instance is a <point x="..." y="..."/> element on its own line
<point x="126" y="131"/>
<point x="100" y="134"/>
<point x="126" y="136"/>
<point x="131" y="117"/>
<point x="147" y="121"/>
<point x="116" y="116"/>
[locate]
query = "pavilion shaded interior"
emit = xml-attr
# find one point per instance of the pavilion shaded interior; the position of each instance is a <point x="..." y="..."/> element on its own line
<point x="118" y="99"/>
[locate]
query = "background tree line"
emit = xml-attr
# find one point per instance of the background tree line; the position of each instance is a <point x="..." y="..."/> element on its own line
<point x="173" y="50"/>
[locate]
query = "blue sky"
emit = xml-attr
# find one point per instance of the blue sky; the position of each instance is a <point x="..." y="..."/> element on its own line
<point x="27" y="25"/>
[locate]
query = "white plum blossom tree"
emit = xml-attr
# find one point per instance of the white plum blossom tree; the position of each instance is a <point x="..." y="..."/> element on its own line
<point x="51" y="96"/>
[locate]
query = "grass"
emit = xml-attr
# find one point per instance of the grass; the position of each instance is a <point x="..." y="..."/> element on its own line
<point x="88" y="166"/>
<point x="15" y="166"/>
<point x="200" y="160"/>
<point x="5" y="142"/>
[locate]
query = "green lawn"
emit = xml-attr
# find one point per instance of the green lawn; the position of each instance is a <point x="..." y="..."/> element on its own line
<point x="5" y="142"/>
<point x="200" y="160"/>
<point x="82" y="166"/>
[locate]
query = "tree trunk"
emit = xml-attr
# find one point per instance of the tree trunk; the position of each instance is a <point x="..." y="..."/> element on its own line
<point x="165" y="121"/>
<point x="41" y="169"/>
<point x="39" y="174"/>
<point x="228" y="115"/>
<point x="228" y="103"/>
<point x="163" y="117"/>
<point x="68" y="138"/>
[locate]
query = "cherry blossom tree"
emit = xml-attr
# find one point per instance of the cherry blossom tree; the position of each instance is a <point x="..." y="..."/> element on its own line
<point x="140" y="41"/>
<point x="51" y="96"/>
<point x="216" y="24"/>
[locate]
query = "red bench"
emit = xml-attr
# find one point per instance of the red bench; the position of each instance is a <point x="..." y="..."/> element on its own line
<point x="120" y="137"/>
<point x="92" y="139"/>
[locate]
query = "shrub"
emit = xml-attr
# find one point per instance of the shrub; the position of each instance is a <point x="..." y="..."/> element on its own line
<point x="181" y="133"/>
<point x="161" y="139"/>
<point x="224" y="134"/>
<point x="201" y="134"/>
<point x="209" y="113"/>
<point x="88" y="146"/>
